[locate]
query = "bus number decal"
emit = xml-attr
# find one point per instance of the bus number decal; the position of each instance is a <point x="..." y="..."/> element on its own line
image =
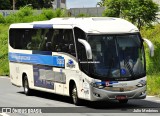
<point x="60" y="61"/>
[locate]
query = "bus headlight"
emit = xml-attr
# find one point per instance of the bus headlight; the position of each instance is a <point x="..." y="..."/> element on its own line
<point x="141" y="83"/>
<point x="97" y="85"/>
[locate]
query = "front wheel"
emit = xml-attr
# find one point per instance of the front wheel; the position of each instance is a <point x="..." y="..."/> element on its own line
<point x="74" y="95"/>
<point x="27" y="90"/>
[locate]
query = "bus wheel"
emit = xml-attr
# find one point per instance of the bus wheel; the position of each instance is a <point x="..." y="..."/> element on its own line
<point x="123" y="101"/>
<point x="27" y="90"/>
<point x="75" y="98"/>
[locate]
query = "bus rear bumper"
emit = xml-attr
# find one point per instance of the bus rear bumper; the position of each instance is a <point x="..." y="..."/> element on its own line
<point x="100" y="94"/>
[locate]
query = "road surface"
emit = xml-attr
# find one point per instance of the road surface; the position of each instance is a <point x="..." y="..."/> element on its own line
<point x="11" y="96"/>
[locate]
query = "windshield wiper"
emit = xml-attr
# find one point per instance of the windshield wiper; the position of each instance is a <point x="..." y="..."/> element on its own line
<point x="126" y="63"/>
<point x="111" y="64"/>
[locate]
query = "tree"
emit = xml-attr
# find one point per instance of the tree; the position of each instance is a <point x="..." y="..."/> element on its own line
<point x="36" y="4"/>
<point x="101" y="3"/>
<point x="113" y="8"/>
<point x="139" y="12"/>
<point x="5" y="4"/>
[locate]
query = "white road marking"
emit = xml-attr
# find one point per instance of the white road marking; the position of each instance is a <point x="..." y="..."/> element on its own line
<point x="4" y="77"/>
<point x="3" y="114"/>
<point x="150" y="96"/>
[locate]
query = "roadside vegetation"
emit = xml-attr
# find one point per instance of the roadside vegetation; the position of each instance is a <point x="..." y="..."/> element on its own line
<point x="28" y="15"/>
<point x="153" y="63"/>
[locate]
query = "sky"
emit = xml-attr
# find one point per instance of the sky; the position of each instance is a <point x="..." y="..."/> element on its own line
<point x="81" y="3"/>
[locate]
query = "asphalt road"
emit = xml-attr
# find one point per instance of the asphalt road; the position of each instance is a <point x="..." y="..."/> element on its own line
<point x="11" y="96"/>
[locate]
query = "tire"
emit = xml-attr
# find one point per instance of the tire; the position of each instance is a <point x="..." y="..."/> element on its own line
<point x="123" y="101"/>
<point x="27" y="90"/>
<point x="74" y="96"/>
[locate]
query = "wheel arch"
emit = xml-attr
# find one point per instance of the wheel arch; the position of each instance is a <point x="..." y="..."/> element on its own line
<point x="23" y="76"/>
<point x="71" y="84"/>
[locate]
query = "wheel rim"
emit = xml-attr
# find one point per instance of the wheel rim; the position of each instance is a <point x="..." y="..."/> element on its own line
<point x="74" y="95"/>
<point x="25" y="86"/>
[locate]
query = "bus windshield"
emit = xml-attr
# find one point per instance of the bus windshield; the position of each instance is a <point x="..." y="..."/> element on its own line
<point x="117" y="56"/>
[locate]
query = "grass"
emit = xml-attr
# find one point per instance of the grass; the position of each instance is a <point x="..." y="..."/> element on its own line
<point x="4" y="67"/>
<point x="153" y="63"/>
<point x="153" y="85"/>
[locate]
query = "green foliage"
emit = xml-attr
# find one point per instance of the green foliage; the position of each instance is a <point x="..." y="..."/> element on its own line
<point x="144" y="12"/>
<point x="153" y="63"/>
<point x="113" y="8"/>
<point x="139" y="12"/>
<point x="82" y="15"/>
<point x="23" y="12"/>
<point x="60" y="13"/>
<point x="101" y="3"/>
<point x="5" y="4"/>
<point x="153" y="85"/>
<point x="36" y="4"/>
<point x="1" y="19"/>
<point x="48" y="13"/>
<point x="4" y="70"/>
<point x="27" y="14"/>
<point x="12" y="19"/>
<point x="20" y="16"/>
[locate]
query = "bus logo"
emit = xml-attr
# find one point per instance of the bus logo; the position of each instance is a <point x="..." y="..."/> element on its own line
<point x="123" y="71"/>
<point x="107" y="84"/>
<point x="70" y="64"/>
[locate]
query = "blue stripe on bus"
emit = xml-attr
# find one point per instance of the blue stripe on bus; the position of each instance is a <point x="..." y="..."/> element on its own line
<point x="57" y="61"/>
<point x="41" y="26"/>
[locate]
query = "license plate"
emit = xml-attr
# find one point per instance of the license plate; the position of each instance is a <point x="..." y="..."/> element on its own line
<point x="121" y="97"/>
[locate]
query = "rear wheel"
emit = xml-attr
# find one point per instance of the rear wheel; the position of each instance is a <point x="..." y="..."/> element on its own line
<point x="123" y="101"/>
<point x="74" y="96"/>
<point x="27" y="90"/>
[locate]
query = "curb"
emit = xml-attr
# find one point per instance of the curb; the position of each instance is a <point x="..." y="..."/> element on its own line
<point x="4" y="77"/>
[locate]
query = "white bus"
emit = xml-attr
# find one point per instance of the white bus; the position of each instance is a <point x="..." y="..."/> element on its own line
<point x="84" y="58"/>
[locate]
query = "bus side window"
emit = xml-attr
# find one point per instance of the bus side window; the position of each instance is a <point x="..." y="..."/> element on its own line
<point x="37" y="40"/>
<point x="68" y="44"/>
<point x="63" y="41"/>
<point x="56" y="40"/>
<point x="49" y="36"/>
<point x="27" y="39"/>
<point x="43" y="40"/>
<point x="16" y="38"/>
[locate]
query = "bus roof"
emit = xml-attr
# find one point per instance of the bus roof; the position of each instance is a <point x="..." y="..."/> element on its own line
<point x="89" y="25"/>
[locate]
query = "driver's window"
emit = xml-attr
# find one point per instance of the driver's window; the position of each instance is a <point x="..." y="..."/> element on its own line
<point x="81" y="50"/>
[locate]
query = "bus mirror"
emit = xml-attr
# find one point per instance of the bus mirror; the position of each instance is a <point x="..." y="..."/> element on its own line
<point x="87" y="47"/>
<point x="151" y="46"/>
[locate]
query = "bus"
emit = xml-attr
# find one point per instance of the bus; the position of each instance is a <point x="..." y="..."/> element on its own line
<point x="94" y="59"/>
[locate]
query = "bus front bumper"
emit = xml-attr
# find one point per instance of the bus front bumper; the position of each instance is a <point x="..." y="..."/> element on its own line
<point x="101" y="94"/>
